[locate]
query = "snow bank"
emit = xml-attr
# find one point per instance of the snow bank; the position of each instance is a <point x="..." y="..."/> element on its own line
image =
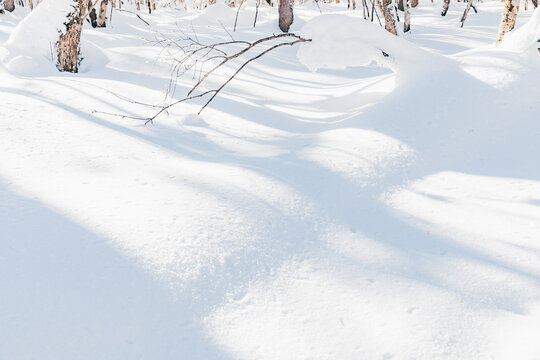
<point x="341" y="41"/>
<point x="32" y="43"/>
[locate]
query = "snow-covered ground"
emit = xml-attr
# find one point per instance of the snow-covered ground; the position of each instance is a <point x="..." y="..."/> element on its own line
<point x="331" y="203"/>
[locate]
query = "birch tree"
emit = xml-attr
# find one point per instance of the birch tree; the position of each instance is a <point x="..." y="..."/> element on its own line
<point x="466" y="12"/>
<point x="102" y="13"/>
<point x="508" y="21"/>
<point x="445" y="7"/>
<point x="407" y="16"/>
<point x="389" y="22"/>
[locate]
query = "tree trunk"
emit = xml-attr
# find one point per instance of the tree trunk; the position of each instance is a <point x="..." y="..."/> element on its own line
<point x="285" y="15"/>
<point x="446" y="5"/>
<point x="508" y="20"/>
<point x="466" y="12"/>
<point x="31" y="4"/>
<point x="149" y="6"/>
<point x="9" y="5"/>
<point x="92" y="16"/>
<point x="68" y="44"/>
<point x="414" y="3"/>
<point x="102" y="13"/>
<point x="535" y="3"/>
<point x="407" y="17"/>
<point x="389" y="22"/>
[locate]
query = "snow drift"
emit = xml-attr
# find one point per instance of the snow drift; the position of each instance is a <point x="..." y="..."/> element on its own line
<point x="31" y="46"/>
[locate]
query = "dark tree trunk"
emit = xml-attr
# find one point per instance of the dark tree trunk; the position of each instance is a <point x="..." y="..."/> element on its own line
<point x="92" y="16"/>
<point x="9" y="5"/>
<point x="285" y="15"/>
<point x="446" y="5"/>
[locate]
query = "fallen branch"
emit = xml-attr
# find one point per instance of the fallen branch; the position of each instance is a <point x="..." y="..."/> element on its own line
<point x="195" y="52"/>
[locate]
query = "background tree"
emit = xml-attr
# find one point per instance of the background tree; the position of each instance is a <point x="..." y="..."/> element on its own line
<point x="406" y="16"/>
<point x="68" y="43"/>
<point x="508" y="21"/>
<point x="9" y="5"/>
<point x="389" y="22"/>
<point x="446" y="5"/>
<point x="102" y="13"/>
<point x="286" y="16"/>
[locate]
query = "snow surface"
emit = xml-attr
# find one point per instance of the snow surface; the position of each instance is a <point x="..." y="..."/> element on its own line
<point x="32" y="44"/>
<point x="331" y="203"/>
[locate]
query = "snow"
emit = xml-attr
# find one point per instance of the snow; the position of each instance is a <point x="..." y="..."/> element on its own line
<point x="331" y="203"/>
<point x="32" y="43"/>
<point x="353" y="42"/>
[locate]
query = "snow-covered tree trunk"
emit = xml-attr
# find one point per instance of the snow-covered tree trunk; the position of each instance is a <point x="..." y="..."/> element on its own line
<point x="1" y="6"/>
<point x="68" y="44"/>
<point x="102" y="13"/>
<point x="445" y="7"/>
<point x="508" y="20"/>
<point x="535" y="3"/>
<point x="285" y="15"/>
<point x="389" y="22"/>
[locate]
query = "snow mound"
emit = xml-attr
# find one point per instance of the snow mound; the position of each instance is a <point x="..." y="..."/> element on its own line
<point x="32" y="43"/>
<point x="352" y="41"/>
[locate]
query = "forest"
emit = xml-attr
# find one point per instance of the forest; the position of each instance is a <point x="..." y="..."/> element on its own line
<point x="269" y="180"/>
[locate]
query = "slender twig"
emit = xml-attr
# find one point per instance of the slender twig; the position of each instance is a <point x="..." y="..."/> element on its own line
<point x="194" y="55"/>
<point x="257" y="4"/>
<point x="246" y="49"/>
<point x="237" y="12"/>
<point x="131" y="12"/>
<point x="245" y="64"/>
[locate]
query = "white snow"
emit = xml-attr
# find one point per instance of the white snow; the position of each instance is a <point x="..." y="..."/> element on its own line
<point x="331" y="203"/>
<point x="32" y="43"/>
